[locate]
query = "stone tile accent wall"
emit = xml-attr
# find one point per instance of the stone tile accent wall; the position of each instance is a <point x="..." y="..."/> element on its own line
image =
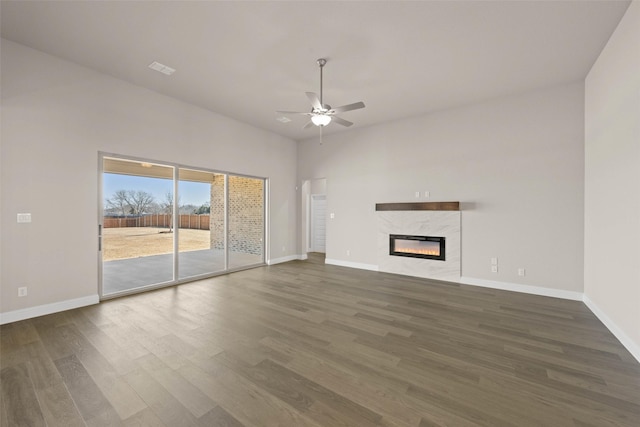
<point x="246" y="214"/>
<point x="421" y="223"/>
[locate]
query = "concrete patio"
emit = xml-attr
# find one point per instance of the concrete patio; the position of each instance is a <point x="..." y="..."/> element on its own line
<point x="132" y="273"/>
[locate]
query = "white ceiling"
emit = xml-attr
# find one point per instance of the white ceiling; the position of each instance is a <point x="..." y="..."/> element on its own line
<point x="246" y="60"/>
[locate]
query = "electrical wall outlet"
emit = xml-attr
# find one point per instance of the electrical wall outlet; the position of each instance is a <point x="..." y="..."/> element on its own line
<point x="494" y="268"/>
<point x="348" y="252"/>
<point x="521" y="272"/>
<point x="494" y="261"/>
<point x="427" y="194"/>
<point x="417" y="194"/>
<point x="22" y="291"/>
<point x="24" y="217"/>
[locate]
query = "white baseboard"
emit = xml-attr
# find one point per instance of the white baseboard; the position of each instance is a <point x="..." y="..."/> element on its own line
<point x="526" y="289"/>
<point x="42" y="310"/>
<point x="349" y="264"/>
<point x="633" y="347"/>
<point x="286" y="259"/>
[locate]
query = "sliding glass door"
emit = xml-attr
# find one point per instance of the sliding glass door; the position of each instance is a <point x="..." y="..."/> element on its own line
<point x="201" y="242"/>
<point x="137" y="238"/>
<point x="162" y="224"/>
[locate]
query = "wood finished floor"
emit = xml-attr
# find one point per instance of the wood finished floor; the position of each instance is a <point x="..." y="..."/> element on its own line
<point x="308" y="344"/>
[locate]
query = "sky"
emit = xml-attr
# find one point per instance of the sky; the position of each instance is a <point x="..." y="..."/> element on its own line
<point x="191" y="193"/>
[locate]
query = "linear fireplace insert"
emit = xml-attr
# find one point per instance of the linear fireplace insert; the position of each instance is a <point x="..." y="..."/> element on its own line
<point x="427" y="247"/>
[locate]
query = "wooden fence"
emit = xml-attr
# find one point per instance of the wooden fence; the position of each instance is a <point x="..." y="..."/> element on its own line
<point x="199" y="222"/>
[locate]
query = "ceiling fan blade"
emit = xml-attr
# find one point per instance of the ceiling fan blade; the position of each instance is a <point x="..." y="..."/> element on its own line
<point x="293" y="112"/>
<point x="349" y="107"/>
<point x="341" y="121"/>
<point x="308" y="125"/>
<point x="315" y="101"/>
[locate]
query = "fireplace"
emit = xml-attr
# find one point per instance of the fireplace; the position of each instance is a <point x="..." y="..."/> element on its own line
<point x="426" y="247"/>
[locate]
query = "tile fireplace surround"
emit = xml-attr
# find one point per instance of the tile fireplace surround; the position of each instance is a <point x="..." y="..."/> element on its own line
<point x="426" y="219"/>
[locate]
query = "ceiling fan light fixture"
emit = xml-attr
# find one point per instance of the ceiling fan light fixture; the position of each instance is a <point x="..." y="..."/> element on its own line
<point x="322" y="114"/>
<point x="320" y="119"/>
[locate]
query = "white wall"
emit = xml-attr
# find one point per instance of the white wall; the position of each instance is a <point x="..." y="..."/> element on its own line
<point x="612" y="189"/>
<point x="56" y="116"/>
<point x="516" y="164"/>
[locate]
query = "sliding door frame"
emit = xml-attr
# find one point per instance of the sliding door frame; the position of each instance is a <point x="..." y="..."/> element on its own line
<point x="176" y="223"/>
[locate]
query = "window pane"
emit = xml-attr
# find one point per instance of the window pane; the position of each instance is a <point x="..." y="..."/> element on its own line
<point x="201" y="233"/>
<point x="137" y="237"/>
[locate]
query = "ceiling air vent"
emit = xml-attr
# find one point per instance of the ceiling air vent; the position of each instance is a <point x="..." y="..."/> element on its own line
<point x="162" y="68"/>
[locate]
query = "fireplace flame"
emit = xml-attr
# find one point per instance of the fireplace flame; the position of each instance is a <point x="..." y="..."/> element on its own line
<point x="434" y="252"/>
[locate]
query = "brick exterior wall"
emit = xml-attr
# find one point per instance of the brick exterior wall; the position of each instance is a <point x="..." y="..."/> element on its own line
<point x="246" y="214"/>
<point x="216" y="215"/>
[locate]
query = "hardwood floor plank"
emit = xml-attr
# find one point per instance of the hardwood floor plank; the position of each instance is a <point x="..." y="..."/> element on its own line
<point x="12" y="354"/>
<point x="110" y="349"/>
<point x="166" y="407"/>
<point x="85" y="393"/>
<point x="120" y="396"/>
<point x="19" y="397"/>
<point x="186" y="393"/>
<point x="144" y="418"/>
<point x="24" y="333"/>
<point x="106" y="418"/>
<point x="358" y="388"/>
<point x="58" y="407"/>
<point x="549" y="400"/>
<point x="230" y="390"/>
<point x="320" y="403"/>
<point x="42" y="370"/>
<point x="261" y="377"/>
<point x="124" y="400"/>
<point x="481" y="417"/>
<point x="220" y="418"/>
<point x="4" y="422"/>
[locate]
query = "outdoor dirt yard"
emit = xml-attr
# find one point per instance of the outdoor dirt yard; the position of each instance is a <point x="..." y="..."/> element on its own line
<point x="133" y="242"/>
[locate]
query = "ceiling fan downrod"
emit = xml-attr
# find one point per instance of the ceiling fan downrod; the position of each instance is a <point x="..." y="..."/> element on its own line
<point x="321" y="62"/>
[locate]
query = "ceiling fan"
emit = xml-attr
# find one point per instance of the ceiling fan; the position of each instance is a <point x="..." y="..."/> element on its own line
<point x="322" y="114"/>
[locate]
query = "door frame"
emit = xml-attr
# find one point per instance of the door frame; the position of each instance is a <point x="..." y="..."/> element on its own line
<point x="176" y="222"/>
<point x="312" y="222"/>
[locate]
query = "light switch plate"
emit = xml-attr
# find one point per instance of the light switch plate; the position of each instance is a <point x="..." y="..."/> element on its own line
<point x="24" y="217"/>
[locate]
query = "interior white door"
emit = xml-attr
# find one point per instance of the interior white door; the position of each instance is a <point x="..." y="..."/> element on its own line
<point x="318" y="222"/>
